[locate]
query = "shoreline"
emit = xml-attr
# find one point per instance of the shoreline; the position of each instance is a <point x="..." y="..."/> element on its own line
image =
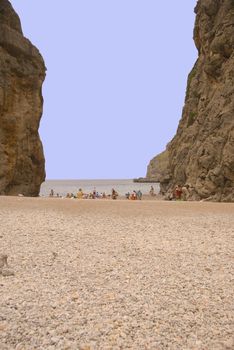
<point x="145" y="197"/>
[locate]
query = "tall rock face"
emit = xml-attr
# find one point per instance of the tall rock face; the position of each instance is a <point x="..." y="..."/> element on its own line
<point x="202" y="152"/>
<point x="157" y="168"/>
<point x="22" y="72"/>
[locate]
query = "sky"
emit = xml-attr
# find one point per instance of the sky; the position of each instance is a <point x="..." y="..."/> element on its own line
<point x="115" y="83"/>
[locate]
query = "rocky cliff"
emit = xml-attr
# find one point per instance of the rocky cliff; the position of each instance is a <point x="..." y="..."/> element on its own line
<point x="22" y="72"/>
<point x="202" y="152"/>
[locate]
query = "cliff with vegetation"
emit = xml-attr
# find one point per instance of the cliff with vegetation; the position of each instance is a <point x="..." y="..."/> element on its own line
<point x="202" y="152"/>
<point x="22" y="72"/>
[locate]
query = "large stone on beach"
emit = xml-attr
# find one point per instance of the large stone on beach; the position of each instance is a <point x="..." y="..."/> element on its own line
<point x="4" y="267"/>
<point x="7" y="272"/>
<point x="22" y="72"/>
<point x="3" y="261"/>
<point x="202" y="152"/>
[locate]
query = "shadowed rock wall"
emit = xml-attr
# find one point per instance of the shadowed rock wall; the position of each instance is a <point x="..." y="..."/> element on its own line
<point x="22" y="72"/>
<point x="202" y="152"/>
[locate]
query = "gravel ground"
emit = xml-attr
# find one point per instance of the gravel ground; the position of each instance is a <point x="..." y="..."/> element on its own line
<point x="98" y="274"/>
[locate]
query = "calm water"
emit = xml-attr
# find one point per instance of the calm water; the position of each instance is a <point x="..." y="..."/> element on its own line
<point x="121" y="186"/>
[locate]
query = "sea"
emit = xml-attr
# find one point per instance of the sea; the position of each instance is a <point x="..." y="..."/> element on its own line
<point x="62" y="187"/>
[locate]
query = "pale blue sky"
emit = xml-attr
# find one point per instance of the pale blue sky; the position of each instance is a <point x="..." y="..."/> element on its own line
<point x="116" y="80"/>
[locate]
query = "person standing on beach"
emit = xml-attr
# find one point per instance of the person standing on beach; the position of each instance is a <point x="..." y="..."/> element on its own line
<point x="80" y="194"/>
<point x="139" y="195"/>
<point x="127" y="195"/>
<point x="185" y="192"/>
<point x="178" y="192"/>
<point x="152" y="191"/>
<point x="114" y="194"/>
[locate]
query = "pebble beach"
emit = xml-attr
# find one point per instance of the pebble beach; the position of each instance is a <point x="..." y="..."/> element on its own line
<point x="96" y="274"/>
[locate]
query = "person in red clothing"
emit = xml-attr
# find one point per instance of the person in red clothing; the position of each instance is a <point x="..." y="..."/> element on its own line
<point x="178" y="192"/>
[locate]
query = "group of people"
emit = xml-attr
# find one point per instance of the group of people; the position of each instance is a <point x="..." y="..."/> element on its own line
<point x="91" y="195"/>
<point x="95" y="194"/>
<point x="179" y="193"/>
<point x="52" y="194"/>
<point x="134" y="195"/>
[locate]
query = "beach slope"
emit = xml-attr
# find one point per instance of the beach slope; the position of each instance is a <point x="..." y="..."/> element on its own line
<point x="102" y="274"/>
